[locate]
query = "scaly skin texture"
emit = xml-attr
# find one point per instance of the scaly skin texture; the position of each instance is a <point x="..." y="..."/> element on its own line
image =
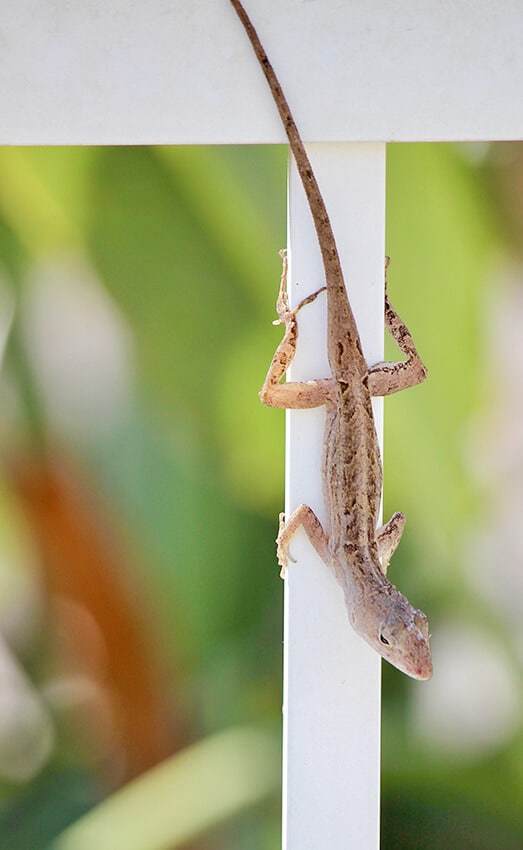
<point x="350" y="545"/>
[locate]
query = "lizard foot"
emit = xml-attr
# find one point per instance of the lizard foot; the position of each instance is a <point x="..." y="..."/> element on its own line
<point x="286" y="316"/>
<point x="282" y="550"/>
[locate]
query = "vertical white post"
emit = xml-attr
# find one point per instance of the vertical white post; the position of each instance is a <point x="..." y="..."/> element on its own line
<point x="331" y="677"/>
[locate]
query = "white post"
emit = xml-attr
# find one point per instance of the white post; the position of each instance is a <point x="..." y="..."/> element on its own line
<point x="331" y="677"/>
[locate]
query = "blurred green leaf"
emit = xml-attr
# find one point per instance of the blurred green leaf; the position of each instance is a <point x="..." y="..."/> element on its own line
<point x="183" y="797"/>
<point x="443" y="243"/>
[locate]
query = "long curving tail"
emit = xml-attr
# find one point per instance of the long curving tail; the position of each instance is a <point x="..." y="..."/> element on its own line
<point x="326" y="240"/>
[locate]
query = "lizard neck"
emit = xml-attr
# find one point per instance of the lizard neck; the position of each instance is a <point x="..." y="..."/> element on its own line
<point x="361" y="578"/>
<point x="341" y="356"/>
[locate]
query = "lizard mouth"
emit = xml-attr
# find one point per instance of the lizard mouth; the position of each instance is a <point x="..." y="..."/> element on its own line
<point x="423" y="673"/>
<point x="421" y="670"/>
<point x="421" y="667"/>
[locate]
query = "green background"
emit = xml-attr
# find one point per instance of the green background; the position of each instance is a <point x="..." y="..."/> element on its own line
<point x="175" y="480"/>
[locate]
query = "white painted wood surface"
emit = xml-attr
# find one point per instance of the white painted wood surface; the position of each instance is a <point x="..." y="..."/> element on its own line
<point x="331" y="678"/>
<point x="178" y="72"/>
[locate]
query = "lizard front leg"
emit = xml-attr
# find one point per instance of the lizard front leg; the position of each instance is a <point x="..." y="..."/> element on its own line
<point x="388" y="378"/>
<point x="388" y="538"/>
<point x="304" y="516"/>
<point x="296" y="394"/>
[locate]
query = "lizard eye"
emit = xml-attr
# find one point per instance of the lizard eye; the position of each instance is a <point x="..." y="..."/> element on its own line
<point x="384" y="640"/>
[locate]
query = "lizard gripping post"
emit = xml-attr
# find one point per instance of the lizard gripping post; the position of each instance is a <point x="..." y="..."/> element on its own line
<point x="350" y="544"/>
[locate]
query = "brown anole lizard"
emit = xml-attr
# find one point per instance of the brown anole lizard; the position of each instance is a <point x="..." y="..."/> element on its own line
<point x="350" y="544"/>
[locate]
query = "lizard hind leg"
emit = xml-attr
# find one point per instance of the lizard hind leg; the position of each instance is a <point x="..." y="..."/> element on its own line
<point x="294" y="394"/>
<point x="388" y="378"/>
<point x="285" y="314"/>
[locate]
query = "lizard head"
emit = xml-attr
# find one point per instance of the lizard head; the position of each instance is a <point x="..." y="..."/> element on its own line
<point x="398" y="632"/>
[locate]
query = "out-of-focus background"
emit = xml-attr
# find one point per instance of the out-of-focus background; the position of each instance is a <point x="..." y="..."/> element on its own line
<point x="140" y="604"/>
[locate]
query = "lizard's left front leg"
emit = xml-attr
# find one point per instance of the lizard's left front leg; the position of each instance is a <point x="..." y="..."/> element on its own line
<point x="388" y="378"/>
<point x="388" y="538"/>
<point x="304" y="516"/>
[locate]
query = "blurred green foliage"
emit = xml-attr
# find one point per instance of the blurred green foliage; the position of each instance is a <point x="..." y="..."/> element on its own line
<point x="185" y="241"/>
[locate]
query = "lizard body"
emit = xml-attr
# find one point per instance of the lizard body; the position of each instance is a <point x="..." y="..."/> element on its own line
<point x="350" y="544"/>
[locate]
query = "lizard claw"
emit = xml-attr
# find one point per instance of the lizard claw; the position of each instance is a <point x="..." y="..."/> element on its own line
<point x="283" y="554"/>
<point x="283" y="558"/>
<point x="387" y="264"/>
<point x="285" y="315"/>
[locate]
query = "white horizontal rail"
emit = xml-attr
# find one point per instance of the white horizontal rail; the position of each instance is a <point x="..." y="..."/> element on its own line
<point x="129" y="72"/>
